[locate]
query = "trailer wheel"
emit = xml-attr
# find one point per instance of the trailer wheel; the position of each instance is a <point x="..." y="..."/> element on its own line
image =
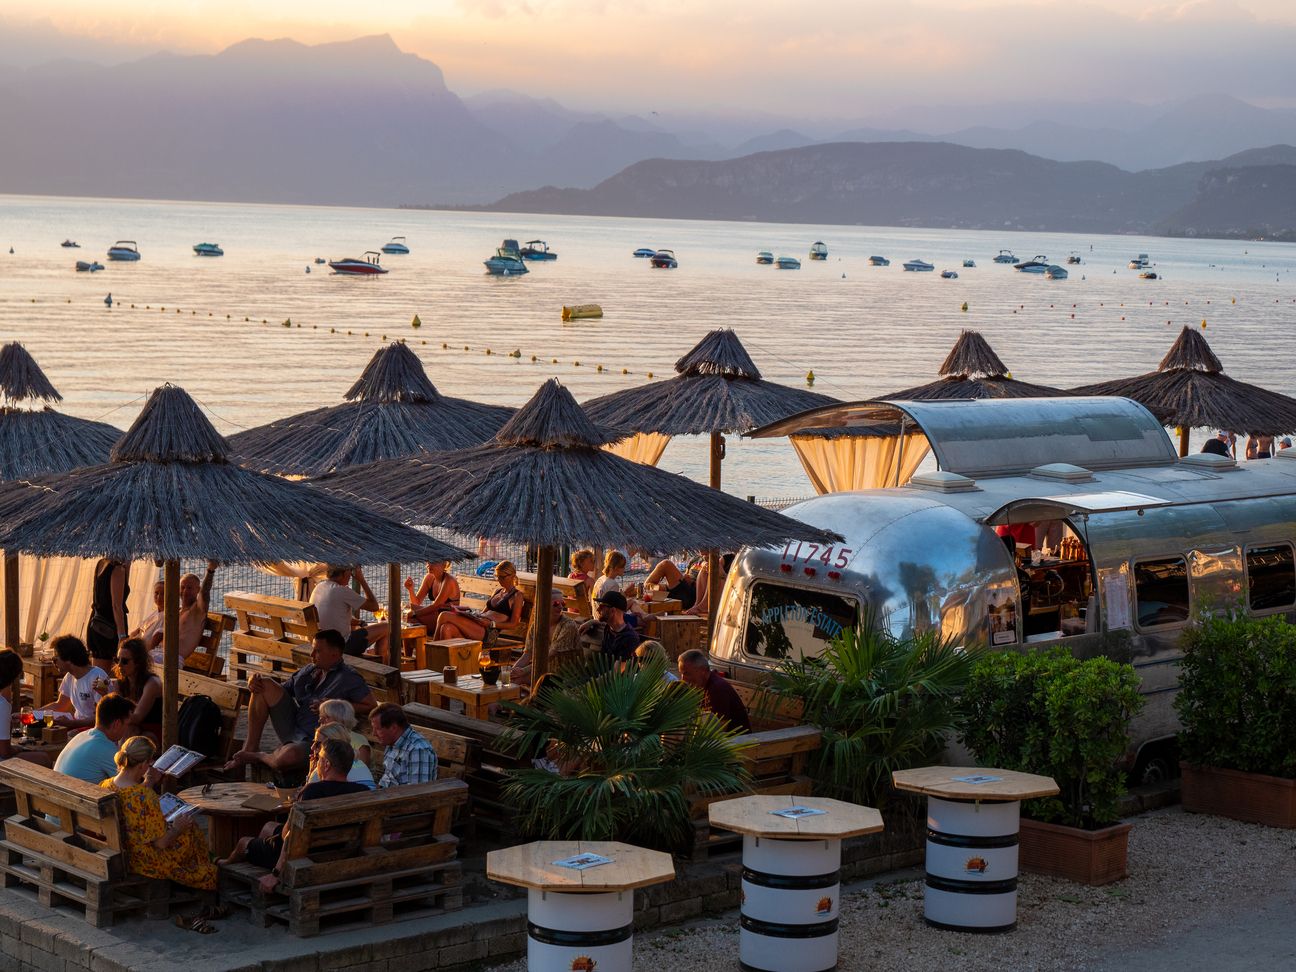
<point x="1157" y="762"/>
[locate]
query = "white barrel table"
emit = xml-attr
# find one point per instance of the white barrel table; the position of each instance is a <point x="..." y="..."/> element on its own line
<point x="791" y="878"/>
<point x="579" y="918"/>
<point x="972" y="826"/>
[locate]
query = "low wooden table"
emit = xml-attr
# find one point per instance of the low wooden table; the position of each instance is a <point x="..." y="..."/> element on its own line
<point x="791" y="883"/>
<point x="44" y="677"/>
<point x="579" y="919"/>
<point x="412" y="637"/>
<point x="973" y="818"/>
<point x="475" y="694"/>
<point x="227" y="819"/>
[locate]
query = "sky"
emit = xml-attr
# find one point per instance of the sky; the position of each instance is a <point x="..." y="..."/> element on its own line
<point x="827" y="59"/>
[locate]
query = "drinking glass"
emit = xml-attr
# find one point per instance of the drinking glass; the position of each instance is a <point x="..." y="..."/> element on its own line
<point x="25" y="716"/>
<point x="49" y="720"/>
<point x="505" y="674"/>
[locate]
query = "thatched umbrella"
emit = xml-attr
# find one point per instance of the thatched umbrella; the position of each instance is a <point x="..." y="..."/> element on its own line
<point x="35" y="439"/>
<point x="718" y="389"/>
<point x="973" y="370"/>
<point x="169" y="492"/>
<point x="545" y="480"/>
<point x="393" y="410"/>
<point x="1190" y="390"/>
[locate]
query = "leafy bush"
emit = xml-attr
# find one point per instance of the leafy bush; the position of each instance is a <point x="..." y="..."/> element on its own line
<point x="883" y="704"/>
<point x="1237" y="695"/>
<point x="1052" y="714"/>
<point x="632" y="748"/>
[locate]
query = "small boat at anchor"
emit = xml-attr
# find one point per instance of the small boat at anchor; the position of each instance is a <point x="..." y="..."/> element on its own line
<point x="644" y="252"/>
<point x="395" y="245"/>
<point x="664" y="260"/>
<point x="765" y="258"/>
<point x="919" y="266"/>
<point x="127" y="250"/>
<point x="367" y="266"/>
<point x="949" y="274"/>
<point x="1139" y="262"/>
<point x="208" y="249"/>
<point x="1036" y="264"/>
<point x="1074" y="258"/>
<point x="879" y="261"/>
<point x="969" y="263"/>
<point x="818" y="250"/>
<point x="537" y="250"/>
<point x="507" y="262"/>
<point x="1005" y="256"/>
<point x="1148" y="275"/>
<point x="88" y="266"/>
<point x="1054" y="272"/>
<point x="73" y="244"/>
<point x="788" y="263"/>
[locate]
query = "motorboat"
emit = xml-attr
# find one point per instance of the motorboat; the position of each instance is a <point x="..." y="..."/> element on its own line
<point x="513" y="247"/>
<point x="949" y="274"/>
<point x="664" y="260"/>
<point x="208" y="249"/>
<point x="91" y="266"/>
<point x="765" y="257"/>
<point x="1139" y="262"/>
<point x="1148" y="275"/>
<point x="818" y="250"/>
<point x="879" y="261"/>
<point x="645" y="252"/>
<point x="1005" y="256"/>
<point x="969" y="263"/>
<point x="73" y="244"/>
<point x="396" y="245"/>
<point x="1074" y="258"/>
<point x="1036" y="264"/>
<point x="919" y="265"/>
<point x="366" y="266"/>
<point x="1054" y="272"/>
<point x="538" y="250"/>
<point x="507" y="262"/>
<point x="320" y="261"/>
<point x="124" y="250"/>
<point x="788" y="263"/>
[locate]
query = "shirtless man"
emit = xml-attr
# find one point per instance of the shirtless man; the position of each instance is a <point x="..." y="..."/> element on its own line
<point x="1260" y="447"/>
<point x="193" y="609"/>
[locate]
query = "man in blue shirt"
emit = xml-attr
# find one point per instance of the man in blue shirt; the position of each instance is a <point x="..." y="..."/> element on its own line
<point x="89" y="755"/>
<point x="619" y="639"/>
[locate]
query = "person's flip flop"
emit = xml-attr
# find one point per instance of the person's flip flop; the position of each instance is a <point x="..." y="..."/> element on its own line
<point x="197" y="923"/>
<point x="214" y="912"/>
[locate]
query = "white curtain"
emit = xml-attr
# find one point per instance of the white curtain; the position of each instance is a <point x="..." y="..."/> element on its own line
<point x="851" y="462"/>
<point x="642" y="447"/>
<point x="54" y="595"/>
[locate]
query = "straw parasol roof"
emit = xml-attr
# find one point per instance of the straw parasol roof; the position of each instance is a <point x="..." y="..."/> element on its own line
<point x="973" y="370"/>
<point x="1189" y="389"/>
<point x="169" y="492"/>
<point x="718" y="388"/>
<point x="392" y="410"/>
<point x="37" y="440"/>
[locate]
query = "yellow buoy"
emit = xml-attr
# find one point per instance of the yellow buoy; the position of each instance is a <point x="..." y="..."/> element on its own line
<point x="650" y="374"/>
<point x="1203" y="325"/>
<point x="810" y="377"/>
<point x="515" y="353"/>
<point x="416" y="322"/>
<point x="581" y="312"/>
<point x="965" y="307"/>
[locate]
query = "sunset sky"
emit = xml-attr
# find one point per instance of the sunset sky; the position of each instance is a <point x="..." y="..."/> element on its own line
<point x="844" y="58"/>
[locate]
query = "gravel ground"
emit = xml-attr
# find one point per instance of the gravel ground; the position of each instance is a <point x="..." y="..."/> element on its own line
<point x="1188" y="874"/>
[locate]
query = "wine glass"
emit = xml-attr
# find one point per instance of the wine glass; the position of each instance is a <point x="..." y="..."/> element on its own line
<point x="26" y="716"/>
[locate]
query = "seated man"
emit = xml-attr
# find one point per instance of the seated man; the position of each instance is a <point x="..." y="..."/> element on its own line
<point x="89" y="755"/>
<point x="77" y="692"/>
<point x="718" y="696"/>
<point x="293" y="706"/>
<point x="150" y="629"/>
<point x="409" y="757"/>
<point x="619" y="640"/>
<point x="337" y="603"/>
<point x="194" y="598"/>
<point x="564" y="641"/>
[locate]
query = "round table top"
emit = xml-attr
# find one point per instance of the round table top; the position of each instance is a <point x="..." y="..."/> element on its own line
<point x="533" y="866"/>
<point x="228" y="798"/>
<point x="960" y="783"/>
<point x="759" y="816"/>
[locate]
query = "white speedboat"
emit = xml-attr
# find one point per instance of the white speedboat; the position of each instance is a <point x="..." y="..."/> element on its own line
<point x="397" y="245"/>
<point x="507" y="262"/>
<point x="949" y="274"/>
<point x="919" y="265"/>
<point x="208" y="249"/>
<point x="765" y="257"/>
<point x="644" y="252"/>
<point x="788" y="263"/>
<point x="1054" y="272"/>
<point x="367" y="266"/>
<point x="818" y="251"/>
<point x="879" y="261"/>
<point x="1036" y="264"/>
<point x="1005" y="256"/>
<point x="88" y="265"/>
<point x="664" y="260"/>
<point x="124" y="250"/>
<point x="969" y="263"/>
<point x="1139" y="262"/>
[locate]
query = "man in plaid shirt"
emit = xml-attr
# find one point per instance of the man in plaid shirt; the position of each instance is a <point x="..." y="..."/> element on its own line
<point x="409" y="758"/>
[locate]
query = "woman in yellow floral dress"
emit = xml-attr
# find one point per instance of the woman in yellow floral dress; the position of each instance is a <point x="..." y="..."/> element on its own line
<point x="177" y="852"/>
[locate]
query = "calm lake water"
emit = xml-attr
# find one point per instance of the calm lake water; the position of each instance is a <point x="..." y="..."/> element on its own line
<point x="864" y="331"/>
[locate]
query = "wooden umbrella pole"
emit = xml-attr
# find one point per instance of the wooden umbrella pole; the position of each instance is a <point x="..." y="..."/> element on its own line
<point x="170" y="653"/>
<point x="714" y="580"/>
<point x="394" y="615"/>
<point x="1183" y="441"/>
<point x="11" y="635"/>
<point x="540" y="613"/>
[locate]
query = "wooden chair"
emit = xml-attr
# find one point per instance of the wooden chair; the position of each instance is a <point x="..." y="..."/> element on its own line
<point x="476" y="591"/>
<point x="360" y="860"/>
<point x="66" y="841"/>
<point x="206" y="660"/>
<point x="231" y="698"/>
<point x="575" y="596"/>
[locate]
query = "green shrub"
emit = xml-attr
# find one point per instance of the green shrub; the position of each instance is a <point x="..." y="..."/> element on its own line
<point x="1237" y="695"/>
<point x="883" y="704"/>
<point x="1052" y="714"/>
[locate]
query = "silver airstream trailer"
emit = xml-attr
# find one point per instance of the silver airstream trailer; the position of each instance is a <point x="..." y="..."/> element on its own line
<point x="1131" y="541"/>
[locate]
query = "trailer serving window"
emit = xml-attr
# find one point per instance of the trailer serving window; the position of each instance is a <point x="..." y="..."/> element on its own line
<point x="1271" y="577"/>
<point x="789" y="622"/>
<point x="1161" y="591"/>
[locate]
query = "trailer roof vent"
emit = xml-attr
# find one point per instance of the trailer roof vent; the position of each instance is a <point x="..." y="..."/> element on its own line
<point x="1062" y="472"/>
<point x="944" y="482"/>
<point x="1209" y="462"/>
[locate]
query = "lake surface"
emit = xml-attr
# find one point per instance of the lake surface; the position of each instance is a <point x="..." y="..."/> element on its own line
<point x="864" y="331"/>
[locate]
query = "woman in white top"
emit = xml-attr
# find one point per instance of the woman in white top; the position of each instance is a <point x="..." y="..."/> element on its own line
<point x="359" y="772"/>
<point x="77" y="694"/>
<point x="343" y="713"/>
<point x="11" y="672"/>
<point x="614" y="565"/>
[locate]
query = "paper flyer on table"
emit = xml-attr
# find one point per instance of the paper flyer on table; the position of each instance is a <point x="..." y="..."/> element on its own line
<point x="582" y="861"/>
<point x="794" y="813"/>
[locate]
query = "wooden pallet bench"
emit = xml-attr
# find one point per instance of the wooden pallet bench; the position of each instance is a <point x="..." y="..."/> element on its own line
<point x="476" y="591"/>
<point x="232" y="699"/>
<point x="65" y="840"/>
<point x="360" y="860"/>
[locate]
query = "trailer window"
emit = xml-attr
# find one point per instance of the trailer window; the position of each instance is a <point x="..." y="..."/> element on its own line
<point x="1271" y="577"/>
<point x="1161" y="591"/>
<point x="785" y="622"/>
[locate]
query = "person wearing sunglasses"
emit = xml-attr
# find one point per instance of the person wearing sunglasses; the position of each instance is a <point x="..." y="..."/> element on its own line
<point x="134" y="680"/>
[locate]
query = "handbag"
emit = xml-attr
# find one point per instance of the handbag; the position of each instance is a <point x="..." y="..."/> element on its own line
<point x="102" y="629"/>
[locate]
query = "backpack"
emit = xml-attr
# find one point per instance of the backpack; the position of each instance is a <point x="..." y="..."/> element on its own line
<point x="199" y="725"/>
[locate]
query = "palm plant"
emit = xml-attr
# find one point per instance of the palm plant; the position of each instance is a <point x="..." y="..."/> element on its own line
<point x="883" y="703"/>
<point x="634" y="750"/>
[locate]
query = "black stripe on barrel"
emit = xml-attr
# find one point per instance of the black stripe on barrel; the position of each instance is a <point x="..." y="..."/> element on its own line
<point x="777" y="930"/>
<point x="978" y="843"/>
<point x="956" y="886"/>
<point x="790" y="882"/>
<point x="581" y="939"/>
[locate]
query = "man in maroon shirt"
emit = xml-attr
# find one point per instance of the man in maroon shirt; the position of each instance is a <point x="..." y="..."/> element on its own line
<point x="718" y="696"/>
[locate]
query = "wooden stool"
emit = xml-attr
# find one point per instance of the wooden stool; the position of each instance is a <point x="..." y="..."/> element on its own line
<point x="972" y="825"/>
<point x="463" y="653"/>
<point x="679" y="632"/>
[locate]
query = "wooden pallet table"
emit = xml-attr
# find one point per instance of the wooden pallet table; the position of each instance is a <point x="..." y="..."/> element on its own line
<point x="227" y="819"/>
<point x="475" y="695"/>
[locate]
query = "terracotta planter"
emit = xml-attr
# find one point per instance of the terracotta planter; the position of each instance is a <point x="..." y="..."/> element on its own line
<point x="1090" y="857"/>
<point x="1252" y="797"/>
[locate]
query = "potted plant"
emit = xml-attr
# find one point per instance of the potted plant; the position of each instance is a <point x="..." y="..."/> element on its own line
<point x="625" y="754"/>
<point x="1052" y="714"/>
<point x="1237" y="703"/>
